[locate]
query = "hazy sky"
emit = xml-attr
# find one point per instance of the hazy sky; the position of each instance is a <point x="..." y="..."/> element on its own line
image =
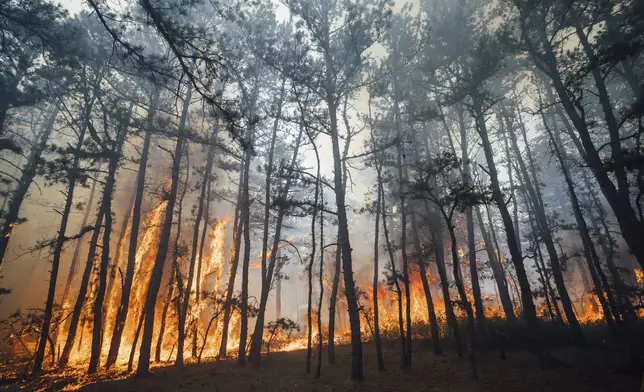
<point x="73" y="6"/>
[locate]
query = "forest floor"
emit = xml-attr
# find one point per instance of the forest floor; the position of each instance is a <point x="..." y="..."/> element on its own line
<point x="588" y="371"/>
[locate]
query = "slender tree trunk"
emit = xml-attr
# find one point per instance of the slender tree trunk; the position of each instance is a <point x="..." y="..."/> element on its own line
<point x="529" y="311"/>
<point x="245" y="217"/>
<point x="431" y="312"/>
<point x="420" y="260"/>
<point x="82" y="291"/>
<point x="193" y="259"/>
<point x="74" y="263"/>
<point x="406" y="360"/>
<point x="471" y="245"/>
<point x="258" y="332"/>
<point x="108" y="190"/>
<point x="618" y="197"/>
<point x="206" y="222"/>
<point x="589" y="248"/>
<point x="546" y="235"/>
<point x="232" y="273"/>
<point x="58" y="248"/>
<point x="11" y="218"/>
<point x="436" y="231"/>
<point x="321" y="276"/>
<point x="392" y="264"/>
<point x="607" y="243"/>
<point x="376" y="251"/>
<point x="122" y="313"/>
<point x="333" y="300"/>
<point x="309" y="337"/>
<point x="164" y="314"/>
<point x="143" y="367"/>
<point x="497" y="271"/>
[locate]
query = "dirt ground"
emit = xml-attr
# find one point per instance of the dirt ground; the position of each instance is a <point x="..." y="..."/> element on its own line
<point x="285" y="372"/>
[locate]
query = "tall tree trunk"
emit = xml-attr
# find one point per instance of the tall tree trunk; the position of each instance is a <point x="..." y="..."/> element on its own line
<point x="122" y="313"/>
<point x="58" y="248"/>
<point x="321" y="276"/>
<point x="204" y="231"/>
<point x="333" y="300"/>
<point x="310" y="274"/>
<point x="232" y="272"/>
<point x="608" y="244"/>
<point x="589" y="248"/>
<point x="541" y="265"/>
<point x="618" y="197"/>
<point x="108" y="190"/>
<point x="193" y="259"/>
<point x="82" y="291"/>
<point x="420" y="260"/>
<point x="497" y="272"/>
<point x="258" y="332"/>
<point x="458" y="280"/>
<point x="406" y="360"/>
<point x="436" y="231"/>
<point x="546" y="235"/>
<point x="374" y="288"/>
<point x="471" y="246"/>
<point x="392" y="265"/>
<point x="164" y="314"/>
<point x="28" y="174"/>
<point x="529" y="311"/>
<point x="74" y="263"/>
<point x="245" y="218"/>
<point x="143" y="367"/>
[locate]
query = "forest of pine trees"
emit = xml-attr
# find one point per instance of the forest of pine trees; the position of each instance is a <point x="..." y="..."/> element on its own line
<point x="362" y="185"/>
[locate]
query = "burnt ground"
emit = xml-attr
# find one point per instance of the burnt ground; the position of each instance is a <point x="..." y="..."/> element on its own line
<point x="589" y="370"/>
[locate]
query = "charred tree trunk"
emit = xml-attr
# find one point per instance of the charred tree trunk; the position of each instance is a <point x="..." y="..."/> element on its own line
<point x="108" y="190"/>
<point x="143" y="367"/>
<point x="122" y="313"/>
<point x="164" y="314"/>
